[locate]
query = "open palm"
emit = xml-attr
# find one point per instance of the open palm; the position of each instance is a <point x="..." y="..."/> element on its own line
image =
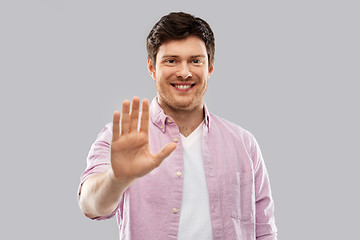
<point x="130" y="154"/>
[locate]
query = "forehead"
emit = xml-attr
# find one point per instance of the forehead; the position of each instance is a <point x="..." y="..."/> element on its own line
<point x="190" y="46"/>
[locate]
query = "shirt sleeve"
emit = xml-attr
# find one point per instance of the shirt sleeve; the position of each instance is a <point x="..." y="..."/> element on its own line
<point x="265" y="220"/>
<point x="98" y="159"/>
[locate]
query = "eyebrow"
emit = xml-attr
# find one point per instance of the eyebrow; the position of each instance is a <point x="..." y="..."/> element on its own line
<point x="199" y="56"/>
<point x="171" y="56"/>
<point x="175" y="56"/>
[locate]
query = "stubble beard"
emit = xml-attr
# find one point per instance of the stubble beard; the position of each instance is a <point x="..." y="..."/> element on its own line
<point x="170" y="105"/>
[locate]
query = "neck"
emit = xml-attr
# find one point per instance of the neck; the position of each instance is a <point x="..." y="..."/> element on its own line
<point x="186" y="120"/>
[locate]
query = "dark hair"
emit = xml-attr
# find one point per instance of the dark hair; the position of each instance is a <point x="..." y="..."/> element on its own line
<point x="176" y="26"/>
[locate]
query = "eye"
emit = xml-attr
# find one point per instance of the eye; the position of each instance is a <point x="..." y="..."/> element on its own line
<point x="170" y="61"/>
<point x="197" y="61"/>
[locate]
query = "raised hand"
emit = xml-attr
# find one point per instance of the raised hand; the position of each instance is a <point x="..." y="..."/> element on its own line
<point x="130" y="154"/>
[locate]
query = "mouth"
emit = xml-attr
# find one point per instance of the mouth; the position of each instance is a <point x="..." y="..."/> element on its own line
<point x="182" y="86"/>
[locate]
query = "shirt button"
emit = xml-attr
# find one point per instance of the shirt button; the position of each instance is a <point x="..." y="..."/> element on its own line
<point x="175" y="210"/>
<point x="178" y="174"/>
<point x="169" y="120"/>
<point x="162" y="126"/>
<point x="175" y="139"/>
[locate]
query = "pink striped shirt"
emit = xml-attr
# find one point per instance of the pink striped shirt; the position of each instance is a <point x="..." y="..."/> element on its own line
<point x="241" y="206"/>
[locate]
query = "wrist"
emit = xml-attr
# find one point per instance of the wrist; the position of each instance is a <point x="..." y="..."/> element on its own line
<point x="121" y="182"/>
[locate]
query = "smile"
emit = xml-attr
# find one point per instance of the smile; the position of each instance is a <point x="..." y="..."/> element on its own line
<point x="183" y="86"/>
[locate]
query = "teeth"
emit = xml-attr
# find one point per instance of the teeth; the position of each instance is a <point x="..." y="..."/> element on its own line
<point x="183" y="86"/>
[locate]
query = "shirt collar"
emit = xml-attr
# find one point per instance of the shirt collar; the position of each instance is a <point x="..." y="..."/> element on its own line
<point x="159" y="118"/>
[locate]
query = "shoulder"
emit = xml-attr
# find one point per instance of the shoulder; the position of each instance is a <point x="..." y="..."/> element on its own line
<point x="230" y="135"/>
<point x="105" y="134"/>
<point x="229" y="128"/>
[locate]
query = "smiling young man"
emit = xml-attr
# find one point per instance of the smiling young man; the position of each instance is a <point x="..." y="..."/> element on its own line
<point x="181" y="75"/>
<point x="176" y="171"/>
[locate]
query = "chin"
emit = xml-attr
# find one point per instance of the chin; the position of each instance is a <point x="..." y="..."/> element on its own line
<point x="188" y="105"/>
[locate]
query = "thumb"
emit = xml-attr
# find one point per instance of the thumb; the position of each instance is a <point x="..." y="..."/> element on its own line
<point x="164" y="153"/>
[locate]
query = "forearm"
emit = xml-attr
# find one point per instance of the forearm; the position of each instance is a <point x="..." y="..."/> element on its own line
<point x="100" y="194"/>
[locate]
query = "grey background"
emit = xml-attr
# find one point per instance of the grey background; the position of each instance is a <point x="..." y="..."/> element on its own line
<point x="287" y="71"/>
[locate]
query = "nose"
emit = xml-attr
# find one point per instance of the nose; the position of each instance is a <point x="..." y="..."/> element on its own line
<point x="183" y="71"/>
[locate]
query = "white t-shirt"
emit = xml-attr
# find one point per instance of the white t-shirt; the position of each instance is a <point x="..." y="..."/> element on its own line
<point x="195" y="220"/>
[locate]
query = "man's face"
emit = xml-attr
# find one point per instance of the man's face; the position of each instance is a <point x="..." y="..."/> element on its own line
<point x="181" y="74"/>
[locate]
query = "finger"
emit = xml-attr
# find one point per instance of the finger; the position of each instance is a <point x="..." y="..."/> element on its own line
<point x="164" y="153"/>
<point x="134" y="115"/>
<point x="116" y="119"/>
<point x="144" y="124"/>
<point x="125" y="119"/>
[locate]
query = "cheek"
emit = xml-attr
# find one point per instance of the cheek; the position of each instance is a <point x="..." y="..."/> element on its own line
<point x="202" y="73"/>
<point x="165" y="74"/>
<point x="162" y="75"/>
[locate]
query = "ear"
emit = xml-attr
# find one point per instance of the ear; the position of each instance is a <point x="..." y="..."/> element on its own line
<point x="211" y="69"/>
<point x="151" y="68"/>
